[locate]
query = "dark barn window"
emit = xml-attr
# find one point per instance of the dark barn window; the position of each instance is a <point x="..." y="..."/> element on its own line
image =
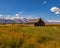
<point x="40" y="23"/>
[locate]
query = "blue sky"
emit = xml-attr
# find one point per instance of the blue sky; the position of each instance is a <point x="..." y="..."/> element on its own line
<point x="31" y="8"/>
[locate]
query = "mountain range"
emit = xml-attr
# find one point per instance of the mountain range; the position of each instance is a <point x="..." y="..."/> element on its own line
<point x="25" y="20"/>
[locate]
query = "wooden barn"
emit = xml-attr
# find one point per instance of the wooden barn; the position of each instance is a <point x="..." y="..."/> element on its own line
<point x="35" y="22"/>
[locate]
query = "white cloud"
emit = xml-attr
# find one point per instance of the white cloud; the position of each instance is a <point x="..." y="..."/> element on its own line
<point x="29" y="17"/>
<point x="53" y="20"/>
<point x="36" y="17"/>
<point x="58" y="12"/>
<point x="10" y="16"/>
<point x="55" y="10"/>
<point x="1" y="15"/>
<point x="17" y="15"/>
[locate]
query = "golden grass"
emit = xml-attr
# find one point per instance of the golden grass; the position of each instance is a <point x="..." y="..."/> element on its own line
<point x="20" y="36"/>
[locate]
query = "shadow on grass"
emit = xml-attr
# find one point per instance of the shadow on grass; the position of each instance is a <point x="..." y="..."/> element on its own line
<point x="15" y="45"/>
<point x="44" y="39"/>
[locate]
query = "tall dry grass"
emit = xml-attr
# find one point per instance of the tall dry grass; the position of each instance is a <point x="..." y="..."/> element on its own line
<point x="19" y="36"/>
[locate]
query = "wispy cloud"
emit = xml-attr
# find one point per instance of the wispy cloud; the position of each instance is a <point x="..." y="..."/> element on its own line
<point x="10" y="16"/>
<point x="1" y="15"/>
<point x="20" y="12"/>
<point x="17" y="16"/>
<point x="53" y="20"/>
<point x="44" y="2"/>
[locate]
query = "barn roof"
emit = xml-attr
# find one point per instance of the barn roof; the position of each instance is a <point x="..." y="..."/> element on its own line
<point x="32" y="21"/>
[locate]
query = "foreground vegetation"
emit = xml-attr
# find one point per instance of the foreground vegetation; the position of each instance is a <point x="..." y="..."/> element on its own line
<point x="19" y="36"/>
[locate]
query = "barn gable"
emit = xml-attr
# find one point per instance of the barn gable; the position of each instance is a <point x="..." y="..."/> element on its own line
<point x="35" y="22"/>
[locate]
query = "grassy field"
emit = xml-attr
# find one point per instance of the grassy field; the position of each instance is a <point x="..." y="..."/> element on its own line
<point x="19" y="36"/>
